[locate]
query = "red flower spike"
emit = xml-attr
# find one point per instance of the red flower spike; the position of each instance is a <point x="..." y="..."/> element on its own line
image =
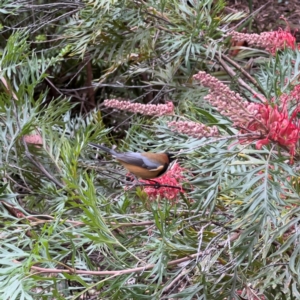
<point x="277" y="126"/>
<point x="172" y="180"/>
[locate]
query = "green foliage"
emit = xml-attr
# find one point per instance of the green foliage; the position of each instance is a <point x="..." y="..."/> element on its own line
<point x="68" y="213"/>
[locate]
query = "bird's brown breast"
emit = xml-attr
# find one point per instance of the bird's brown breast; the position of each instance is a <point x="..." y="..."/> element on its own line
<point x="144" y="173"/>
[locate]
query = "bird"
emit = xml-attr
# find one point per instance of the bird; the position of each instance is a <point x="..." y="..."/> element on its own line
<point x="145" y="165"/>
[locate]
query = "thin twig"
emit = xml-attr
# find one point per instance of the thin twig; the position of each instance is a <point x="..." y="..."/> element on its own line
<point x="157" y="186"/>
<point x="181" y="274"/>
<point x="41" y="167"/>
<point x="245" y="73"/>
<point x="35" y="221"/>
<point x="53" y="86"/>
<point x="116" y="272"/>
<point x="241" y="82"/>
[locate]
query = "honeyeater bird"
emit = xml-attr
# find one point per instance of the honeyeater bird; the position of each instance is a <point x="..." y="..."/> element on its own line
<point x="145" y="165"/>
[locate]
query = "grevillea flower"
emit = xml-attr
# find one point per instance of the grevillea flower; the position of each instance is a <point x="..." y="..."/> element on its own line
<point x="270" y="121"/>
<point x="173" y="180"/>
<point x="271" y="41"/>
<point x="276" y="125"/>
<point x="144" y="109"/>
<point x="196" y="130"/>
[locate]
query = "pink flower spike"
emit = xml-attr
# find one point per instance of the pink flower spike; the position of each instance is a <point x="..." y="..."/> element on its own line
<point x="196" y="130"/>
<point x="271" y="41"/>
<point x="227" y="102"/>
<point x="144" y="109"/>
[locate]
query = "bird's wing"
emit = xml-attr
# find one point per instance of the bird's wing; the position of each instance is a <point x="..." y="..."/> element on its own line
<point x="137" y="159"/>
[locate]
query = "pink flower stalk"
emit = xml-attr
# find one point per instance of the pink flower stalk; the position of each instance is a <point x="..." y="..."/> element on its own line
<point x="173" y="177"/>
<point x="271" y="41"/>
<point x="227" y="102"/>
<point x="196" y="130"/>
<point x="144" y="109"/>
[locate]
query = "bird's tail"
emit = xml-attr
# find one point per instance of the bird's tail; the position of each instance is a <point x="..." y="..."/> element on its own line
<point x="108" y="150"/>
